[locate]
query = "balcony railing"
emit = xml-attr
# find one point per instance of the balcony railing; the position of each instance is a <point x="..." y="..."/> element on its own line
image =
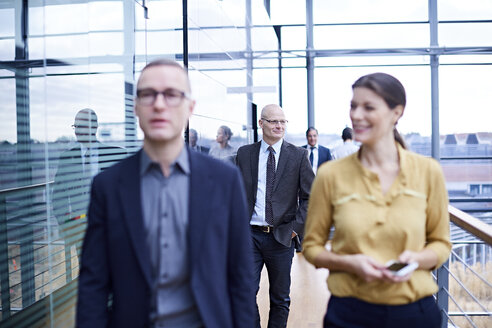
<point x="465" y="291"/>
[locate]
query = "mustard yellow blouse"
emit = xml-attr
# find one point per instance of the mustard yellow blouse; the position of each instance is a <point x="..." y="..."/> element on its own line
<point x="412" y="215"/>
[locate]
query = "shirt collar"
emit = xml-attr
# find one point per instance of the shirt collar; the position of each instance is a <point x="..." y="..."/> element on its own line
<point x="181" y="162"/>
<point x="276" y="146"/>
<point x="309" y="146"/>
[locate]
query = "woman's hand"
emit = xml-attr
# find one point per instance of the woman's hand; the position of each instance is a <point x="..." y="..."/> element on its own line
<point x="365" y="267"/>
<point x="427" y="258"/>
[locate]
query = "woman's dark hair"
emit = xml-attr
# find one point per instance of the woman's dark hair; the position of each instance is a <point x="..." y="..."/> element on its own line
<point x="388" y="88"/>
<point x="227" y="131"/>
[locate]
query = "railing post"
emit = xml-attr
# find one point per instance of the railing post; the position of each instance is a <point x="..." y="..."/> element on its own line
<point x="442" y="294"/>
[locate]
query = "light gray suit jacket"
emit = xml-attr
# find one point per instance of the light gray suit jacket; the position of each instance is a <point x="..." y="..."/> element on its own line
<point x="293" y="180"/>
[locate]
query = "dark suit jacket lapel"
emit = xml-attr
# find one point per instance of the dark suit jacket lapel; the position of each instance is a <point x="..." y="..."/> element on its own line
<point x="282" y="162"/>
<point x="132" y="212"/>
<point x="321" y="155"/>
<point x="200" y="184"/>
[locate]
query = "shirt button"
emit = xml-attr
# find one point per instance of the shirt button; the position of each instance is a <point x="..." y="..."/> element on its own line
<point x="388" y="203"/>
<point x="164" y="275"/>
<point x="165" y="214"/>
<point x="165" y="245"/>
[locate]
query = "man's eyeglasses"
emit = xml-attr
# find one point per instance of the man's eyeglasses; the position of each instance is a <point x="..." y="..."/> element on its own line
<point x="172" y="97"/>
<point x="275" y="122"/>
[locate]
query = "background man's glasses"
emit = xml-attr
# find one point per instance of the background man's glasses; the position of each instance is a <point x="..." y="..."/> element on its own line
<point x="275" y="122"/>
<point x="172" y="97"/>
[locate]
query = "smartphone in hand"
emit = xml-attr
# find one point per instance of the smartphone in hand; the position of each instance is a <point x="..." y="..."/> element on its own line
<point x="401" y="269"/>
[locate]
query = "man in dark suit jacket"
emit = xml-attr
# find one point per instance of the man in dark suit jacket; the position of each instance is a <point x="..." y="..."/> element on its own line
<point x="76" y="168"/>
<point x="193" y="136"/>
<point x="317" y="153"/>
<point x="277" y="202"/>
<point x="167" y="243"/>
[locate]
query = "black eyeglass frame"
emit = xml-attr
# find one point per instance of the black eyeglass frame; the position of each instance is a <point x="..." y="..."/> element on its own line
<point x="166" y="94"/>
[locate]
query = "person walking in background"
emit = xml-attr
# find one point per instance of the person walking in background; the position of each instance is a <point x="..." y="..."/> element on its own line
<point x="76" y="168"/>
<point x="223" y="150"/>
<point x="194" y="142"/>
<point x="386" y="203"/>
<point x="317" y="153"/>
<point x="277" y="178"/>
<point x="168" y="241"/>
<point x="348" y="147"/>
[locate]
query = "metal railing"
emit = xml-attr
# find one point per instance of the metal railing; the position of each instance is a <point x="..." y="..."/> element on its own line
<point x="465" y="290"/>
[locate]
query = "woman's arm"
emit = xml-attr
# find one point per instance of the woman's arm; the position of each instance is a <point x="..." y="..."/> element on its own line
<point x="361" y="265"/>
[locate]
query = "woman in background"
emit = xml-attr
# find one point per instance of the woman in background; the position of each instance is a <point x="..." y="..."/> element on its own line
<point x="223" y="150"/>
<point x="386" y="203"/>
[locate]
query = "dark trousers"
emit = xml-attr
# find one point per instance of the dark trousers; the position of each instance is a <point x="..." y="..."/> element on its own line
<point x="278" y="260"/>
<point x="349" y="312"/>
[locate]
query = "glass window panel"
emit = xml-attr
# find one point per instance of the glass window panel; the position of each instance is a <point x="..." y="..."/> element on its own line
<point x="354" y="11"/>
<point x="7" y="111"/>
<point x="465" y="59"/>
<point x="293" y="38"/>
<point x="287" y="12"/>
<point x="465" y="34"/>
<point x="79" y="45"/>
<point x="106" y="44"/>
<point x="372" y="60"/>
<point x="162" y="15"/>
<point x="294" y="62"/>
<point x="265" y="78"/>
<point x="464" y="92"/>
<point x="217" y="65"/>
<point x="106" y="15"/>
<point x="59" y="46"/>
<point x="206" y="13"/>
<point x="371" y="36"/>
<point x="62" y="19"/>
<point x="7" y="49"/>
<point x="210" y="87"/>
<point x="7" y="28"/>
<point x="268" y="60"/>
<point x="217" y="40"/>
<point x="464" y="10"/>
<point x="294" y="93"/>
<point x="264" y="39"/>
<point x="333" y="93"/>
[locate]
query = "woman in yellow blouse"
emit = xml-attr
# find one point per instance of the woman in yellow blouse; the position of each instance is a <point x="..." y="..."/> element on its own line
<point x="386" y="203"/>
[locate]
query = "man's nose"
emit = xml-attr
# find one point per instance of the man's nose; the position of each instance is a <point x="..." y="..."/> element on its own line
<point x="160" y="101"/>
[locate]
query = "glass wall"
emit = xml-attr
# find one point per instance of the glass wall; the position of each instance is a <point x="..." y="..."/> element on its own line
<point x="68" y="72"/>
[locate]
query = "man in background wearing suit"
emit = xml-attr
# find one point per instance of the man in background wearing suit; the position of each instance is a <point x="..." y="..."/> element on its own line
<point x="76" y="168"/>
<point x="194" y="142"/>
<point x="317" y="153"/>
<point x="277" y="178"/>
<point x="168" y="241"/>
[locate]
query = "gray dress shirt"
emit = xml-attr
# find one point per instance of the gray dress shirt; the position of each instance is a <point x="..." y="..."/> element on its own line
<point x="165" y="203"/>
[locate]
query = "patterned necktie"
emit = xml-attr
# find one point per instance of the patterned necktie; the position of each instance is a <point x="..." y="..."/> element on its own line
<point x="270" y="181"/>
<point x="311" y="156"/>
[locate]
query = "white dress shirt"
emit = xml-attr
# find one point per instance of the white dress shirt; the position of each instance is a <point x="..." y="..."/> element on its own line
<point x="315" y="157"/>
<point x="258" y="217"/>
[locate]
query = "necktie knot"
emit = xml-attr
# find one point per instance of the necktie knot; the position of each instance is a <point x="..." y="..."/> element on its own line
<point x="312" y="147"/>
<point x="271" y="150"/>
